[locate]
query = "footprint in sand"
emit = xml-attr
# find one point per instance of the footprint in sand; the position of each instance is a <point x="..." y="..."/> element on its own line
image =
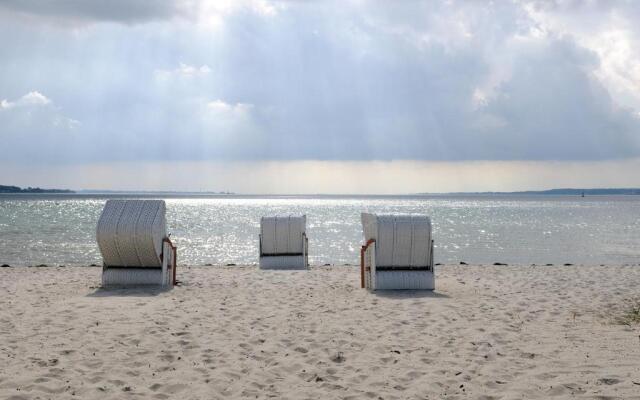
<point x="155" y="387"/>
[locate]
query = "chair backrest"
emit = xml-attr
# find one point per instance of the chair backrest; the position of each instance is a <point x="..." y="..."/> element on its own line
<point x="282" y="235"/>
<point x="130" y="233"/>
<point x="401" y="240"/>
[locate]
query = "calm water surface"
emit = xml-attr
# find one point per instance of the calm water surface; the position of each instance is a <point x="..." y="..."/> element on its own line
<point x="218" y="230"/>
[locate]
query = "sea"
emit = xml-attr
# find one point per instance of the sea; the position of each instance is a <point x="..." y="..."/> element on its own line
<point x="60" y="229"/>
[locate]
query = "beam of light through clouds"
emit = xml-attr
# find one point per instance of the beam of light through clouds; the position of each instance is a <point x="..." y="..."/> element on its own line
<point x="328" y="87"/>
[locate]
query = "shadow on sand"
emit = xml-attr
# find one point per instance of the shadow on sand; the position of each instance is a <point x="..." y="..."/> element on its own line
<point x="137" y="291"/>
<point x="410" y="294"/>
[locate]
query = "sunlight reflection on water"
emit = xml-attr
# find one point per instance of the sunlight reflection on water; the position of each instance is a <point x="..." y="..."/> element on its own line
<point x="220" y="230"/>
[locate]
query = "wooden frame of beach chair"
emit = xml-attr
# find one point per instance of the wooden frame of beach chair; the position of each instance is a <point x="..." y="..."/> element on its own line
<point x="170" y="249"/>
<point x="288" y="245"/>
<point x="412" y="269"/>
<point x="135" y="247"/>
<point x="365" y="267"/>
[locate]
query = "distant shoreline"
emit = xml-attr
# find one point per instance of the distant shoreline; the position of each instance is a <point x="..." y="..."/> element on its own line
<point x="170" y="193"/>
<point x="553" y="192"/>
<point x="561" y="192"/>
<point x="30" y="190"/>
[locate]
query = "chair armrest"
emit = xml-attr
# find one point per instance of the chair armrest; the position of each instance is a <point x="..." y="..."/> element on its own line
<point x="173" y="247"/>
<point x="173" y="257"/>
<point x="363" y="250"/>
<point x="305" y="249"/>
<point x="431" y="258"/>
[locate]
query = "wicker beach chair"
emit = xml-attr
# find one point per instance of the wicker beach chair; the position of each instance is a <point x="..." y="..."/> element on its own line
<point x="283" y="243"/>
<point x="398" y="252"/>
<point x="135" y="248"/>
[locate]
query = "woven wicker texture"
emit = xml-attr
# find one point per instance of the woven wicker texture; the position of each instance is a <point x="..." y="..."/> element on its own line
<point x="282" y="235"/>
<point x="401" y="240"/>
<point x="130" y="233"/>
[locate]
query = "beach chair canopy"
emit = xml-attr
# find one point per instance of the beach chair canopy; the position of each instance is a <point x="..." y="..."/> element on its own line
<point x="282" y="235"/>
<point x="401" y="240"/>
<point x="130" y="233"/>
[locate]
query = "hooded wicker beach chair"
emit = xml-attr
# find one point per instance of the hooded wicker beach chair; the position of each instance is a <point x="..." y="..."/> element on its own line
<point x="283" y="243"/>
<point x="398" y="252"/>
<point x="135" y="248"/>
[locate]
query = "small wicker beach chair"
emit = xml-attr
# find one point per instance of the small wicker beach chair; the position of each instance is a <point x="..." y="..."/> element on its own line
<point x="283" y="243"/>
<point x="135" y="248"/>
<point x="398" y="252"/>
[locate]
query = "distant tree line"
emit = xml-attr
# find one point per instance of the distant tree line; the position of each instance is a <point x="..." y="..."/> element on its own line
<point x="596" y="192"/>
<point x="16" y="189"/>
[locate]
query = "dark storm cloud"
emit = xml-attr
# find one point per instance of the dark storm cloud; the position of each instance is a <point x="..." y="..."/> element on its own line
<point x="126" y="11"/>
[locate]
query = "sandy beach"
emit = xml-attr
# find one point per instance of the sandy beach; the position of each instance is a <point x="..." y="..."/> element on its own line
<point x="487" y="332"/>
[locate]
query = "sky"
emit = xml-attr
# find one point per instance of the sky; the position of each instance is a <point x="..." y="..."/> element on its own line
<point x="258" y="96"/>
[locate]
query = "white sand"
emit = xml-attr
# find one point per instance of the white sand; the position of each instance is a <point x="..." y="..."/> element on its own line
<point x="487" y="332"/>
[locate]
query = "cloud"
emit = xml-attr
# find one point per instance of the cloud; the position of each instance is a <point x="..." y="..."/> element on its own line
<point x="34" y="129"/>
<point x="223" y="107"/>
<point x="608" y="28"/>
<point x="274" y="81"/>
<point x="34" y="98"/>
<point x="183" y="71"/>
<point x="126" y="11"/>
<point x="553" y="108"/>
<point x="73" y="12"/>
